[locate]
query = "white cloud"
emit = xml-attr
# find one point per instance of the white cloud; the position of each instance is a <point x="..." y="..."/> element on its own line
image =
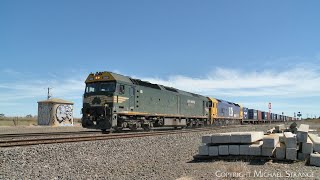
<point x="297" y="82"/>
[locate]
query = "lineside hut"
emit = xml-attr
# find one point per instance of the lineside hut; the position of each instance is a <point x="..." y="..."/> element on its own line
<point x="55" y="112"/>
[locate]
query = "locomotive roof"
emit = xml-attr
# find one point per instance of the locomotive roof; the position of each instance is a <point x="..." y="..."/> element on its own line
<point x="110" y="76"/>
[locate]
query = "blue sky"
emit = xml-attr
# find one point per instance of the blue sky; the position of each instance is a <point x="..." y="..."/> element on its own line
<point x="250" y="52"/>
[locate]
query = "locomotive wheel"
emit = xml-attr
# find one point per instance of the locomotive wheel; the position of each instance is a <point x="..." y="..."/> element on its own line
<point x="133" y="127"/>
<point x="146" y="127"/>
<point x="118" y="129"/>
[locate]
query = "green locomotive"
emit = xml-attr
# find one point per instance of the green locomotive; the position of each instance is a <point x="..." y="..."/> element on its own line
<point x="112" y="102"/>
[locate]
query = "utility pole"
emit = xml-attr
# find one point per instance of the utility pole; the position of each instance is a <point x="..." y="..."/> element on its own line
<point x="49" y="95"/>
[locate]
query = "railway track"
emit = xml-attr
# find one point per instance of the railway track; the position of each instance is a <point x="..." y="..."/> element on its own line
<point x="68" y="139"/>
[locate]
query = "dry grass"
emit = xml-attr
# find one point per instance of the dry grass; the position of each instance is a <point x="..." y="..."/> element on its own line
<point x="17" y="121"/>
<point x="313" y="120"/>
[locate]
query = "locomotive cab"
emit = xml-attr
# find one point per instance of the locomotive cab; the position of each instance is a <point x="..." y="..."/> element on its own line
<point x="101" y="101"/>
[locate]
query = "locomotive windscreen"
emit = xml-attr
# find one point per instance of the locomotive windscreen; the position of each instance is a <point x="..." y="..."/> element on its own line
<point x="101" y="87"/>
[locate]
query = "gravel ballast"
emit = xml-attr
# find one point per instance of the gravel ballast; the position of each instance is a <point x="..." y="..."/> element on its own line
<point x="158" y="157"/>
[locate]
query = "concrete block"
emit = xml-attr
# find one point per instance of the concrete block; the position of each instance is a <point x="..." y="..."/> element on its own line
<point x="290" y="140"/>
<point x="269" y="152"/>
<point x="220" y="138"/>
<point x="204" y="150"/>
<point x="213" y="151"/>
<point x="303" y="128"/>
<point x="234" y="149"/>
<point x="281" y="137"/>
<point x="244" y="149"/>
<point x="315" y="159"/>
<point x="270" y="141"/>
<point x="280" y="127"/>
<point x="316" y="142"/>
<point x="281" y="151"/>
<point x="303" y="156"/>
<point x="291" y="153"/>
<point x="255" y="149"/>
<point x="307" y="147"/>
<point x="251" y="137"/>
<point x="236" y="137"/>
<point x="223" y="150"/>
<point x="302" y="133"/>
<point x="206" y="139"/>
<point x="313" y="131"/>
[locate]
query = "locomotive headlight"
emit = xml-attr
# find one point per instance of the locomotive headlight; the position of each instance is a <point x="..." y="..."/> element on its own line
<point x="88" y="115"/>
<point x="97" y="77"/>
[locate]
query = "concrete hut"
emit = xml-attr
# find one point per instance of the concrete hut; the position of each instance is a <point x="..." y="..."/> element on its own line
<point x="55" y="112"/>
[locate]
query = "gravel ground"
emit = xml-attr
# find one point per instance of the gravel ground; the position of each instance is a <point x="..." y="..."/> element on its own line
<point x="160" y="157"/>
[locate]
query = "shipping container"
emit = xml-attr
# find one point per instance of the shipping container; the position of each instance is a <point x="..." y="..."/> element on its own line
<point x="264" y="115"/>
<point x="252" y="114"/>
<point x="228" y="110"/>
<point x="268" y="116"/>
<point x="259" y="115"/>
<point x="245" y="113"/>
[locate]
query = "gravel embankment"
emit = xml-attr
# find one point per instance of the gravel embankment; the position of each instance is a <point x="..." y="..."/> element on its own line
<point x="160" y="157"/>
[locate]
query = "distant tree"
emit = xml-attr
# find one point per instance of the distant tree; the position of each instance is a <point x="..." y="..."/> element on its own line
<point x="2" y="115"/>
<point x="29" y="116"/>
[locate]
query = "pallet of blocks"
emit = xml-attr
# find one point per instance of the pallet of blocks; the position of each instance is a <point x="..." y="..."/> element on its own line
<point x="283" y="144"/>
<point x="234" y="143"/>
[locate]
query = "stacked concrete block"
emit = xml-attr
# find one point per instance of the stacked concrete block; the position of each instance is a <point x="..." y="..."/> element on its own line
<point x="206" y="139"/>
<point x="255" y="149"/>
<point x="281" y="151"/>
<point x="234" y="149"/>
<point x="213" y="150"/>
<point x="285" y="145"/>
<point x="224" y="150"/>
<point x="244" y="149"/>
<point x="303" y="156"/>
<point x="291" y="145"/>
<point x="291" y="153"/>
<point x="316" y="142"/>
<point x="251" y="137"/>
<point x="220" y="138"/>
<point x="307" y="147"/>
<point x="290" y="140"/>
<point x="315" y="159"/>
<point x="281" y="137"/>
<point x="270" y="143"/>
<point x="302" y="133"/>
<point x="204" y="150"/>
<point x="223" y="144"/>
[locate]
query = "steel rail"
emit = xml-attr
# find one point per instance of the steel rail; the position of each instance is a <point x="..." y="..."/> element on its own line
<point x="28" y="142"/>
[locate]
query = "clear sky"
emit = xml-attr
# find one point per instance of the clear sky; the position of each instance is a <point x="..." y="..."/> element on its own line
<point x="250" y="52"/>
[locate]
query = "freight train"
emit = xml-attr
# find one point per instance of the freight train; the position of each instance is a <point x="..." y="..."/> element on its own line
<point x="113" y="102"/>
